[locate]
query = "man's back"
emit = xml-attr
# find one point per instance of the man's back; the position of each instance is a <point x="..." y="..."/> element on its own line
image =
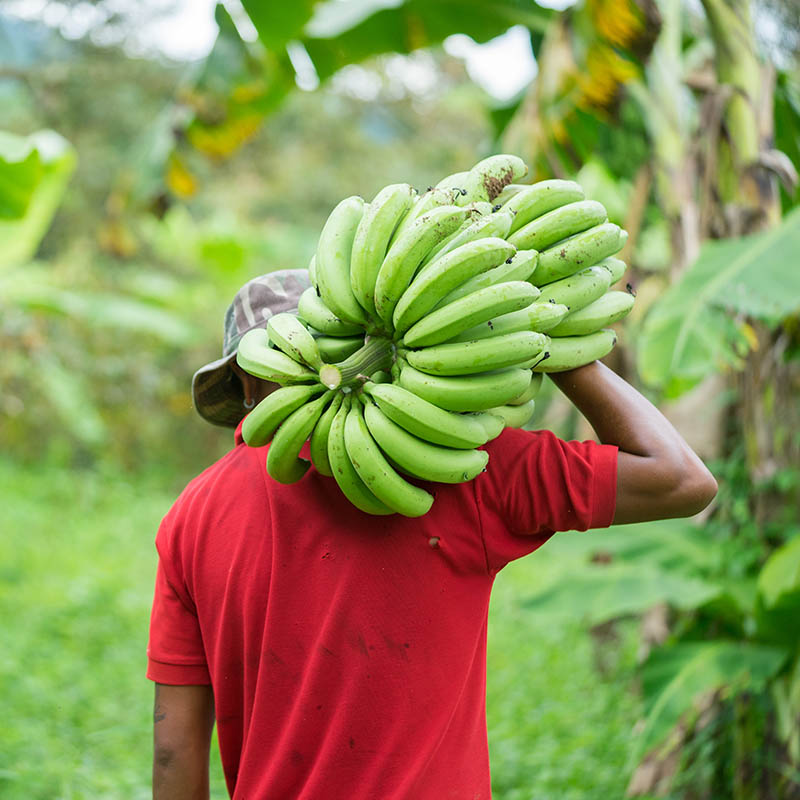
<point x="347" y="652"/>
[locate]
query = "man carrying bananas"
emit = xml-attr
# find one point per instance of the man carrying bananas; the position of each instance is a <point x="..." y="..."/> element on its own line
<point x="343" y="654"/>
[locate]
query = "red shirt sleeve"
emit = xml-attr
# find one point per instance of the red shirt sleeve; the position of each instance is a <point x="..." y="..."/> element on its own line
<point x="175" y="652"/>
<point x="536" y="484"/>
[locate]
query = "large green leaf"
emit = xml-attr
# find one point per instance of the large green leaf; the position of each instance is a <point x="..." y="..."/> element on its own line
<point x="778" y="610"/>
<point x="34" y="172"/>
<point x="601" y="593"/>
<point x="277" y="23"/>
<point x="412" y="25"/>
<point x="691" y="331"/>
<point x="674" y="677"/>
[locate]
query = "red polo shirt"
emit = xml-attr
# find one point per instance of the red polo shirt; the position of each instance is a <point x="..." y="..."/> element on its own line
<point x="347" y="652"/>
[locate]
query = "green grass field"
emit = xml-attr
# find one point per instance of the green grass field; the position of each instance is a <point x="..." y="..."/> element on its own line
<point x="76" y="574"/>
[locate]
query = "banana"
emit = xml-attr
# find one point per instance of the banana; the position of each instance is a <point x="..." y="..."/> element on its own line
<point x="334" y="249"/>
<point x="312" y="310"/>
<point x="255" y="356"/>
<point x="492" y="224"/>
<point x="260" y="424"/>
<point x="569" y="352"/>
<point x="578" y="290"/>
<point x="335" y="349"/>
<point x="287" y="333"/>
<point x="344" y="473"/>
<point x="492" y="424"/>
<point x="514" y="416"/>
<point x="468" y="358"/>
<point x="510" y="191"/>
<point x="419" y="458"/>
<point x="312" y="270"/>
<point x="422" y="204"/>
<point x="489" y="177"/>
<point x="448" y="321"/>
<point x="283" y="463"/>
<point x="454" y="181"/>
<point x="426" y="420"/>
<point x="465" y="392"/>
<point x="533" y="201"/>
<point x="558" y="224"/>
<point x="371" y="241"/>
<point x="615" y="266"/>
<point x="582" y="249"/>
<point x="318" y="444"/>
<point x="607" y="309"/>
<point x="376" y="472"/>
<point x="441" y="276"/>
<point x="518" y="268"/>
<point x="407" y="252"/>
<point x="530" y="393"/>
<point x="539" y="317"/>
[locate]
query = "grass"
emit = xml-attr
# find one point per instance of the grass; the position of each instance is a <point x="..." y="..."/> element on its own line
<point x="76" y="576"/>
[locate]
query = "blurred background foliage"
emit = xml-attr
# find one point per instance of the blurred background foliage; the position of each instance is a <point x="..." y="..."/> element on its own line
<point x="138" y="192"/>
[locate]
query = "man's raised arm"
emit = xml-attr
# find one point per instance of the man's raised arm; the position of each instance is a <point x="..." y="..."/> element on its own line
<point x="658" y="474"/>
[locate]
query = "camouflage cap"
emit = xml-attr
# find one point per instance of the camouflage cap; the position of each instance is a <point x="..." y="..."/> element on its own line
<point x="216" y="391"/>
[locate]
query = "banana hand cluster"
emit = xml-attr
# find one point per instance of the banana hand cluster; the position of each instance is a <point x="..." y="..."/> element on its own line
<point x="428" y="323"/>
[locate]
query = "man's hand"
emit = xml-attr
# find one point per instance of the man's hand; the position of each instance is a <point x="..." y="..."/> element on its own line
<point x="658" y="475"/>
<point x="183" y="718"/>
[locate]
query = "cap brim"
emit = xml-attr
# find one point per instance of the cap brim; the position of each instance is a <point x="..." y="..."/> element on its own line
<point x="217" y="393"/>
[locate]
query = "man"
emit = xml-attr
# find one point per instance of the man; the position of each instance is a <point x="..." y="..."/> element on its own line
<point x="343" y="655"/>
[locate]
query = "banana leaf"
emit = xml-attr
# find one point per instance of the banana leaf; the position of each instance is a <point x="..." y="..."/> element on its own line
<point x="697" y="327"/>
<point x="673" y="678"/>
<point x="34" y="173"/>
<point x="778" y="607"/>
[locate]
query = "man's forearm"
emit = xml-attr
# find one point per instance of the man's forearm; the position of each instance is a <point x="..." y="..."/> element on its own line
<point x="180" y="776"/>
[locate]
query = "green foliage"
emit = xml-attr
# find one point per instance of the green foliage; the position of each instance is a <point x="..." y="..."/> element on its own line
<point x="34" y="173"/>
<point x="674" y="677"/>
<point x="778" y="610"/>
<point x="691" y="330"/>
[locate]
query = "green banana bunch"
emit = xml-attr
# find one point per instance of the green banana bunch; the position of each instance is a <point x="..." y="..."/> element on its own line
<point x="429" y="323"/>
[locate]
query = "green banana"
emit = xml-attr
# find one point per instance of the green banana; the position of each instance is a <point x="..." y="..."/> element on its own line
<point x="441" y="276"/>
<point x="515" y="416"/>
<point x="427" y="201"/>
<point x="569" y="352"/>
<point x="312" y="310"/>
<point x="582" y="249"/>
<point x="531" y="393"/>
<point x="255" y="356"/>
<point x="419" y="458"/>
<point x="426" y="420"/>
<point x="312" y="270"/>
<point x="518" y="268"/>
<point x="492" y="224"/>
<point x="344" y="473"/>
<point x="606" y="310"/>
<point x="465" y="392"/>
<point x="492" y="424"/>
<point x="334" y="349"/>
<point x="454" y="181"/>
<point x="468" y="358"/>
<point x="376" y="472"/>
<point x="260" y="424"/>
<point x="577" y="290"/>
<point x="558" y="224"/>
<point x="539" y="198"/>
<point x="407" y="252"/>
<point x="288" y="334"/>
<point x="371" y="241"/>
<point x="448" y="321"/>
<point x="334" y="249"/>
<point x="510" y="191"/>
<point x="318" y="444"/>
<point x="616" y="266"/>
<point x="539" y="317"/>
<point x="489" y="177"/>
<point x="283" y="463"/>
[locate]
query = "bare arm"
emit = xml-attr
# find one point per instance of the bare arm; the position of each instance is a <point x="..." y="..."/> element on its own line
<point x="183" y="718"/>
<point x="658" y="474"/>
